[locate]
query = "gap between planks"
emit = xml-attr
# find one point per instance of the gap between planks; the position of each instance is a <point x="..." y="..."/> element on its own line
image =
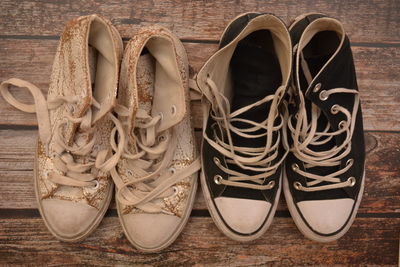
<point x="112" y="212"/>
<point x="193" y="41"/>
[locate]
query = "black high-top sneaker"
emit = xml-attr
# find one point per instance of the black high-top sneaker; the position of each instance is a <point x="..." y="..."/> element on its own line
<point x="324" y="171"/>
<point x="244" y="84"/>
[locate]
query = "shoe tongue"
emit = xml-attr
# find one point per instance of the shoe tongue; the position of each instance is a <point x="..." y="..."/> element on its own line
<point x="253" y="80"/>
<point x="145" y="82"/>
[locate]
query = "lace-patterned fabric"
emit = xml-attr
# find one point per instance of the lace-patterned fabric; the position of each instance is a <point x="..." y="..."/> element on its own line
<point x="138" y="87"/>
<point x="69" y="105"/>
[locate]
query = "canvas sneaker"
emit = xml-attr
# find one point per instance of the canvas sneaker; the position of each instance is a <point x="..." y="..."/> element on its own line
<point x="156" y="177"/>
<point x="324" y="174"/>
<point x="244" y="84"/>
<point x="72" y="184"/>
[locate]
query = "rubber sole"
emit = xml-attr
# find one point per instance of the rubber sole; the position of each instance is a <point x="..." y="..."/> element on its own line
<point x="220" y="223"/>
<point x="173" y="237"/>
<point x="301" y="224"/>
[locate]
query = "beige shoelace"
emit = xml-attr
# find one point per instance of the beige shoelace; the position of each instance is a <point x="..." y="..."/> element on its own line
<point x="304" y="134"/>
<point x="73" y="173"/>
<point x="152" y="155"/>
<point x="256" y="159"/>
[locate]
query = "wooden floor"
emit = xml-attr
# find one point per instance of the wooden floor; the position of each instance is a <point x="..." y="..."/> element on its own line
<point x="29" y="32"/>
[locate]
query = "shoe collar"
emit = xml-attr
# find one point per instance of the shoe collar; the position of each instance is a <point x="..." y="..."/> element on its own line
<point x="170" y="75"/>
<point x="76" y="42"/>
<point x="316" y="26"/>
<point x="217" y="66"/>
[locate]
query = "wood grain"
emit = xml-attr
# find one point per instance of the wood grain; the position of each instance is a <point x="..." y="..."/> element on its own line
<point x="202" y="244"/>
<point x="28" y="38"/>
<point x="382" y="172"/>
<point x="365" y="21"/>
<point x="377" y="70"/>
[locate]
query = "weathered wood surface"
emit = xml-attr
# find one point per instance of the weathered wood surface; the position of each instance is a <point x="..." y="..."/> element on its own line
<point x="28" y="38"/>
<point x="370" y="241"/>
<point x="377" y="68"/>
<point x="366" y="21"/>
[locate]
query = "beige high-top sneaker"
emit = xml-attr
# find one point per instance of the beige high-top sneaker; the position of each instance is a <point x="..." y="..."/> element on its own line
<point x="156" y="177"/>
<point x="72" y="162"/>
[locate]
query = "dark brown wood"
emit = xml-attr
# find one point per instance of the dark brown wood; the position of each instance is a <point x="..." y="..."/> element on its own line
<point x="366" y="21"/>
<point x="28" y="38"/>
<point x="372" y="241"/>
<point x="379" y="85"/>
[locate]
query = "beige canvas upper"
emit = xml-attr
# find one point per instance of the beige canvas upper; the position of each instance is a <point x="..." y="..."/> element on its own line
<point x="71" y="77"/>
<point x="156" y="176"/>
<point x="72" y="163"/>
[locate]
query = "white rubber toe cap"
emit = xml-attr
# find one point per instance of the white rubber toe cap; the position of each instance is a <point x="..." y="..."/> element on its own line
<point x="68" y="219"/>
<point x="326" y="216"/>
<point x="150" y="231"/>
<point x="243" y="215"/>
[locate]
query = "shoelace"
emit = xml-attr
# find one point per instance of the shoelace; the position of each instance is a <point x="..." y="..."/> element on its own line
<point x="305" y="134"/>
<point x="68" y="171"/>
<point x="256" y="159"/>
<point x="150" y="153"/>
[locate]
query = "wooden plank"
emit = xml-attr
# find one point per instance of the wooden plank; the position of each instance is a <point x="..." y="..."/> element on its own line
<point x="365" y="21"/>
<point x="381" y="193"/>
<point x="32" y="60"/>
<point x="370" y="241"/>
<point x="28" y="33"/>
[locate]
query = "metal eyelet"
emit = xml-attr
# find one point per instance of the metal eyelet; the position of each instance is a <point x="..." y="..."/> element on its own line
<point x="317" y="87"/>
<point x="341" y="124"/>
<point x="349" y="161"/>
<point x="271" y="184"/>
<point x="96" y="185"/>
<point x="352" y="181"/>
<point x="217" y="179"/>
<point x="323" y="95"/>
<point x="216" y="161"/>
<point x="335" y="109"/>
<point x="173" y="110"/>
<point x="172" y="170"/>
<point x="295" y="167"/>
<point x="176" y="190"/>
<point x="161" y="115"/>
<point x="161" y="138"/>
<point x="297" y="185"/>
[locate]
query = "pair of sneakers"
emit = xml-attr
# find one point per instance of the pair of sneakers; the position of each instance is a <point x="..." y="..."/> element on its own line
<point x="281" y="109"/>
<point x="103" y="118"/>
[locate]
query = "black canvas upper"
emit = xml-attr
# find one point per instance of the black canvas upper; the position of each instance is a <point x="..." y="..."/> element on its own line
<point x="339" y="73"/>
<point x="255" y="74"/>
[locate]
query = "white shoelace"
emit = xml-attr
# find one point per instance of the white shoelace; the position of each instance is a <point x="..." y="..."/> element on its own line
<point x="256" y="159"/>
<point x="73" y="173"/>
<point x="149" y="156"/>
<point x="304" y="134"/>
